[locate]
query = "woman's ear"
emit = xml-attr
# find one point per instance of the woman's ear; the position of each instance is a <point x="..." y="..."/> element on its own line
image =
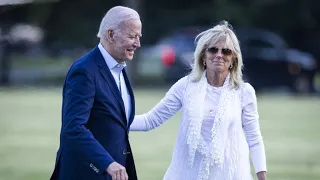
<point x="234" y="61"/>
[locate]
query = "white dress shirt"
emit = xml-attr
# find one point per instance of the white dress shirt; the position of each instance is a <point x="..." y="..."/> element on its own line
<point x="116" y="71"/>
<point x="210" y="109"/>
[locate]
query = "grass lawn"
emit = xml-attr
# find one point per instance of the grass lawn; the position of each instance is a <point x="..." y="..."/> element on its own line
<point x="30" y="124"/>
<point x="39" y="62"/>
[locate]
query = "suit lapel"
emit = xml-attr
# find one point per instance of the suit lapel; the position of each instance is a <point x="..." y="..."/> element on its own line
<point x="128" y="84"/>
<point x="106" y="74"/>
<point x="112" y="84"/>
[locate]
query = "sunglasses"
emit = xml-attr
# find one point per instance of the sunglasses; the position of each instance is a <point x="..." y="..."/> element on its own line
<point x="224" y="51"/>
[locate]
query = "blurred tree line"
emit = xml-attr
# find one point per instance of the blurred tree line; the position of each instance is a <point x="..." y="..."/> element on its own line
<point x="76" y="22"/>
<point x="68" y="20"/>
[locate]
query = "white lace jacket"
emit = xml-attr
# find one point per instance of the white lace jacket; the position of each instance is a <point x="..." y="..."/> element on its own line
<point x="235" y="132"/>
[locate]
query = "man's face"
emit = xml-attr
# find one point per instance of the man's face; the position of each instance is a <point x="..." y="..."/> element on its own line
<point x="127" y="40"/>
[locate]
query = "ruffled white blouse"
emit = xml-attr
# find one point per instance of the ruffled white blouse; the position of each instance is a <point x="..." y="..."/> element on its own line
<point x="218" y="129"/>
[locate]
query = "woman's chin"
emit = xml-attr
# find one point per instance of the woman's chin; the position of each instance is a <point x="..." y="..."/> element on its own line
<point x="218" y="69"/>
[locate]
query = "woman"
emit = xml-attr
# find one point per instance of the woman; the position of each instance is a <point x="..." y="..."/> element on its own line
<point x="219" y="125"/>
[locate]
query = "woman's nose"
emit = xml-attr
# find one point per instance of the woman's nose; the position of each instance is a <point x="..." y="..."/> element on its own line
<point x="219" y="53"/>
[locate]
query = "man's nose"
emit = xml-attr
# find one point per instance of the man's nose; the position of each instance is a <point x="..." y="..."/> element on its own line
<point x="137" y="43"/>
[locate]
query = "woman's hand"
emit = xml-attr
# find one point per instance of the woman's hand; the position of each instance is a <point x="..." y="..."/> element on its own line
<point x="262" y="175"/>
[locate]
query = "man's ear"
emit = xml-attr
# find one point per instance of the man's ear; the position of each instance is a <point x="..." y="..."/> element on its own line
<point x="110" y="35"/>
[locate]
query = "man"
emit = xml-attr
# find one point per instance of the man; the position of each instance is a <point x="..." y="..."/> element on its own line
<point x="98" y="105"/>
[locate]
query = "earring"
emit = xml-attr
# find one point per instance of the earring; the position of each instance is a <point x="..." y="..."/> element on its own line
<point x="231" y="66"/>
<point x="204" y="64"/>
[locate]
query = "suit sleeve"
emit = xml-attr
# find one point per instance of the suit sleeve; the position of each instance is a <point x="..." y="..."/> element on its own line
<point x="78" y="100"/>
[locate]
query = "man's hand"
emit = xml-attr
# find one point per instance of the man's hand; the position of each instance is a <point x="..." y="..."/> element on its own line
<point x="117" y="171"/>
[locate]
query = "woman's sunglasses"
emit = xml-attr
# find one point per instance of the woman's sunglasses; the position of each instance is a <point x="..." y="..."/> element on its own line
<point x="224" y="51"/>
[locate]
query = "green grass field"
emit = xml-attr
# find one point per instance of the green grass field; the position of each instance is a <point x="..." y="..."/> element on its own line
<point x="30" y="123"/>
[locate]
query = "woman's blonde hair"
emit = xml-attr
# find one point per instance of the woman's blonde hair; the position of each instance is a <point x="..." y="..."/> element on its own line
<point x="221" y="32"/>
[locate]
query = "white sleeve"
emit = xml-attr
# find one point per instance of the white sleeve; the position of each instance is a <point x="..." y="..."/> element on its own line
<point x="167" y="107"/>
<point x="251" y="127"/>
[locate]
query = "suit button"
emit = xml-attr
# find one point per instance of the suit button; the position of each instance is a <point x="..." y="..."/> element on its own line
<point x="125" y="152"/>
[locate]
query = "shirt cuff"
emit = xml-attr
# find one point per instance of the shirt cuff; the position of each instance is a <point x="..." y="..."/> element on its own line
<point x="258" y="157"/>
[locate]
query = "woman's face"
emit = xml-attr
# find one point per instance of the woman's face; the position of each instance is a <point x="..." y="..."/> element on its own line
<point x="218" y="57"/>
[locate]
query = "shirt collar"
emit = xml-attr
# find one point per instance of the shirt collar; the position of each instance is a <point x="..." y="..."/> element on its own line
<point x="111" y="62"/>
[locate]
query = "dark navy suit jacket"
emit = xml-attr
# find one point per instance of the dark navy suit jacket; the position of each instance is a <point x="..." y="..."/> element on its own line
<point x="94" y="129"/>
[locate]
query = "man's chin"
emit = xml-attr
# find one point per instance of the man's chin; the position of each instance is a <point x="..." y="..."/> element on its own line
<point x="129" y="58"/>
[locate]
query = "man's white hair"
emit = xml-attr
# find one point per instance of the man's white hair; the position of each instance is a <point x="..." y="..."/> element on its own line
<point x="115" y="17"/>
